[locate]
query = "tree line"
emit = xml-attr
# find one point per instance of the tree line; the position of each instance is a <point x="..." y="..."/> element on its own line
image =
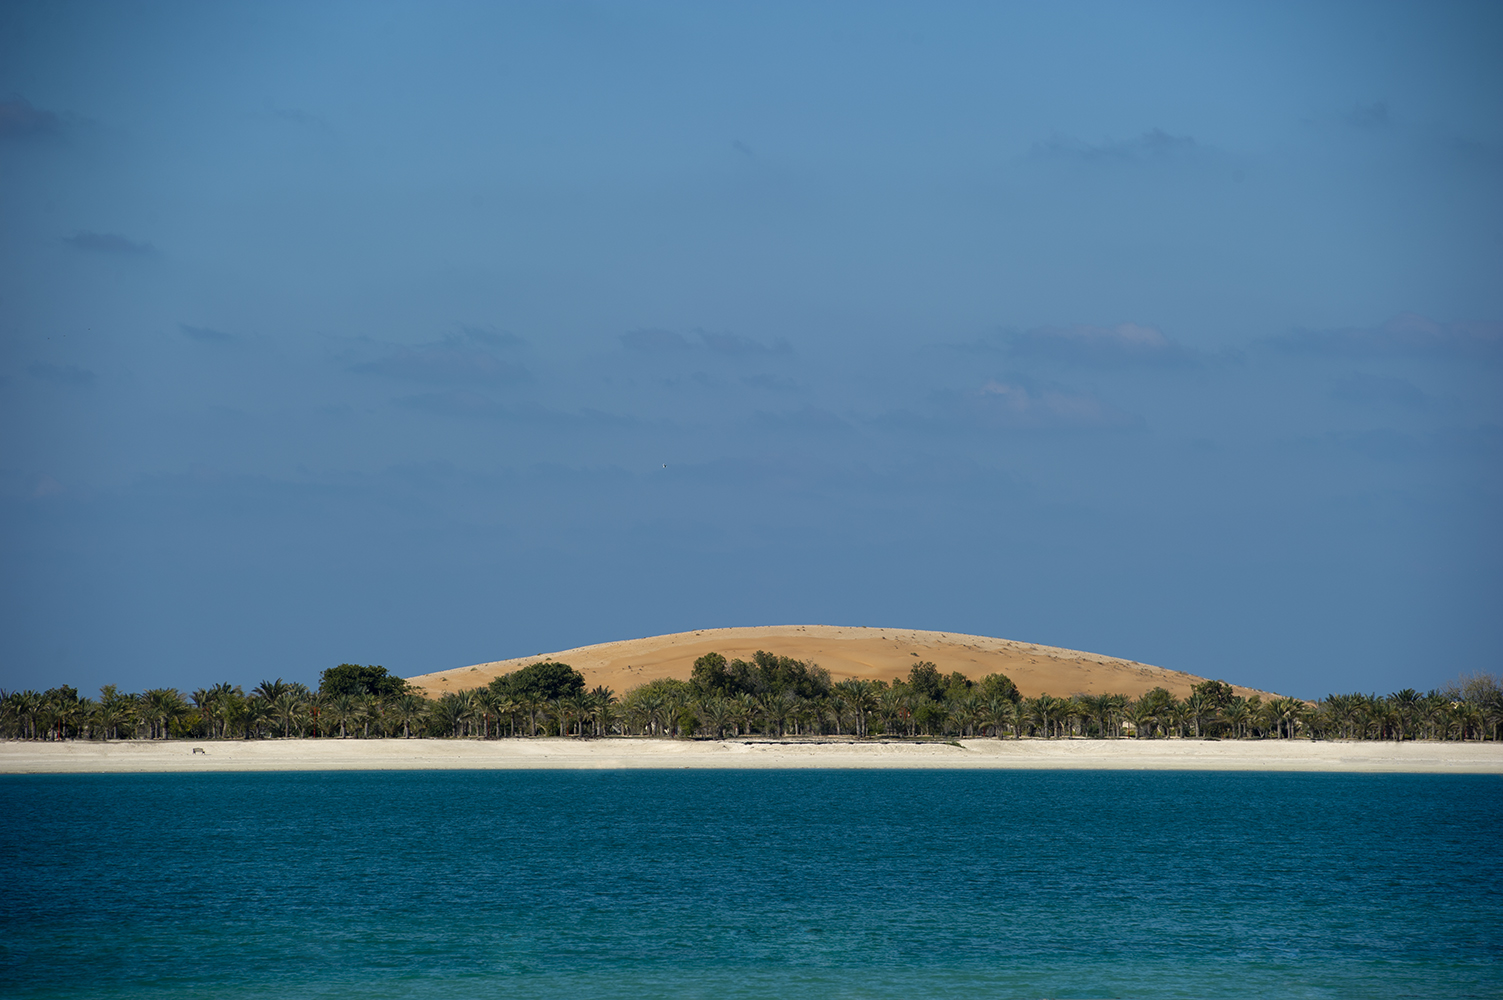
<point x="766" y="696"/>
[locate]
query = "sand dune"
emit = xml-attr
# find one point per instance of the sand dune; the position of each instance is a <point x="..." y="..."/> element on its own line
<point x="875" y="653"/>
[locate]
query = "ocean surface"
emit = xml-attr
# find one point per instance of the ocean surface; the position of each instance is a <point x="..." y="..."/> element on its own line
<point x="723" y="884"/>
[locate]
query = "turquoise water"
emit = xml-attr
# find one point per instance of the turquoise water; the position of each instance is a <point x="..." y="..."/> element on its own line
<point x="745" y="883"/>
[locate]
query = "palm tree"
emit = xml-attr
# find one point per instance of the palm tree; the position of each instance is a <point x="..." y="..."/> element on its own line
<point x="488" y="703"/>
<point x="1041" y="712"/>
<point x="967" y="714"/>
<point x="1406" y="705"/>
<point x="286" y="708"/>
<point x="559" y="711"/>
<point x="1112" y="708"/>
<point x="218" y="703"/>
<point x="839" y="710"/>
<point x="465" y="712"/>
<point x="777" y="709"/>
<point x="861" y="696"/>
<point x="159" y="706"/>
<point x="530" y="704"/>
<point x="406" y="709"/>
<point x="743" y="713"/>
<point x="683" y="714"/>
<point x="338" y="712"/>
<point x="889" y="708"/>
<point x="634" y="716"/>
<point x="1238" y="716"/>
<point x="602" y="709"/>
<point x="1199" y="708"/>
<point x="67" y="712"/>
<point x="254" y="713"/>
<point x="510" y="709"/>
<point x="270" y="691"/>
<point x="1002" y="713"/>
<point x="1285" y="714"/>
<point x="367" y="707"/>
<point x="718" y="716"/>
<point x="653" y="707"/>
<point x="113" y="710"/>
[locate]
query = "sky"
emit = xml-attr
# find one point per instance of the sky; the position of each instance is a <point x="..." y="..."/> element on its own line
<point x="437" y="333"/>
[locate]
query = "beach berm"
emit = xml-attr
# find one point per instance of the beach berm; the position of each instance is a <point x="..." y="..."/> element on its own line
<point x="1369" y="756"/>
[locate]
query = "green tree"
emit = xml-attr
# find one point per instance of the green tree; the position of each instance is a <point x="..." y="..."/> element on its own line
<point x="340" y="711"/>
<point x="717" y="715"/>
<point x="1199" y="709"/>
<point x="710" y="677"/>
<point x="540" y="683"/>
<point x="286" y="709"/>
<point x="114" y="710"/>
<point x="354" y="680"/>
<point x="602" y="709"/>
<point x="158" y="707"/>
<point x="924" y="679"/>
<point x="406" y="710"/>
<point x="270" y="691"/>
<point x="861" y="695"/>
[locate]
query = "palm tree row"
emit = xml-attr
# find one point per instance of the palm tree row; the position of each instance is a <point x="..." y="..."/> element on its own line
<point x="224" y="711"/>
<point x="769" y="697"/>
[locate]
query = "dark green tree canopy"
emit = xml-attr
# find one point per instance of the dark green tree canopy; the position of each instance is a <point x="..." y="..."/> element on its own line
<point x="544" y="681"/>
<point x="353" y="679"/>
<point x="1218" y="693"/>
<point x="765" y="674"/>
<point x="1000" y="686"/>
<point x="711" y="677"/>
<point x="925" y="679"/>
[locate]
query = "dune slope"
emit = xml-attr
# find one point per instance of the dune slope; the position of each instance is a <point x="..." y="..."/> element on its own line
<point x="875" y="653"/>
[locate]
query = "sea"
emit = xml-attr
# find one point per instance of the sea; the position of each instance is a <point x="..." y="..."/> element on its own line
<point x="740" y="883"/>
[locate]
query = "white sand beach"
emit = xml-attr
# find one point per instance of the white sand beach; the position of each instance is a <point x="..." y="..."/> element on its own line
<point x="18" y="757"/>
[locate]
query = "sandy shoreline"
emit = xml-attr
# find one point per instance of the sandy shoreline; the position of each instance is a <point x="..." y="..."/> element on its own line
<point x="18" y="757"/>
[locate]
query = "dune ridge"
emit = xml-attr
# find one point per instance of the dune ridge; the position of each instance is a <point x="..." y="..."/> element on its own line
<point x="846" y="652"/>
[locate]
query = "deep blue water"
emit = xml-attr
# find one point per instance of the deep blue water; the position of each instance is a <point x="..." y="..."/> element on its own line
<point x="747" y="883"/>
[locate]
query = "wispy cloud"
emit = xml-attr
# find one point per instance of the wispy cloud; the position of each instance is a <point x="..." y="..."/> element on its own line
<point x="110" y="243"/>
<point x="767" y="380"/>
<point x="1155" y="144"/>
<point x="448" y="363"/>
<point x="205" y="335"/>
<point x="658" y="341"/>
<point x="809" y="419"/>
<point x="61" y="374"/>
<point x="1012" y="402"/>
<point x="19" y="120"/>
<point x="653" y="341"/>
<point x="1407" y="334"/>
<point x="1374" y="115"/>
<point x="1016" y="403"/>
<point x="1379" y="390"/>
<point x="739" y="346"/>
<point x="491" y="337"/>
<point x="1090" y="346"/>
<point x="469" y="404"/>
<point x="305" y="119"/>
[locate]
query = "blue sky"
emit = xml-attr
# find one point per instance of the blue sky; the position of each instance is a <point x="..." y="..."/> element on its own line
<point x="427" y="334"/>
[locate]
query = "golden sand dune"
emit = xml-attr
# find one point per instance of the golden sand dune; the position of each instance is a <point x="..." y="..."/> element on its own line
<point x="874" y="653"/>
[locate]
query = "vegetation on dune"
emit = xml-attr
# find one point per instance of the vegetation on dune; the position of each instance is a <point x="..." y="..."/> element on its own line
<point x="766" y="696"/>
